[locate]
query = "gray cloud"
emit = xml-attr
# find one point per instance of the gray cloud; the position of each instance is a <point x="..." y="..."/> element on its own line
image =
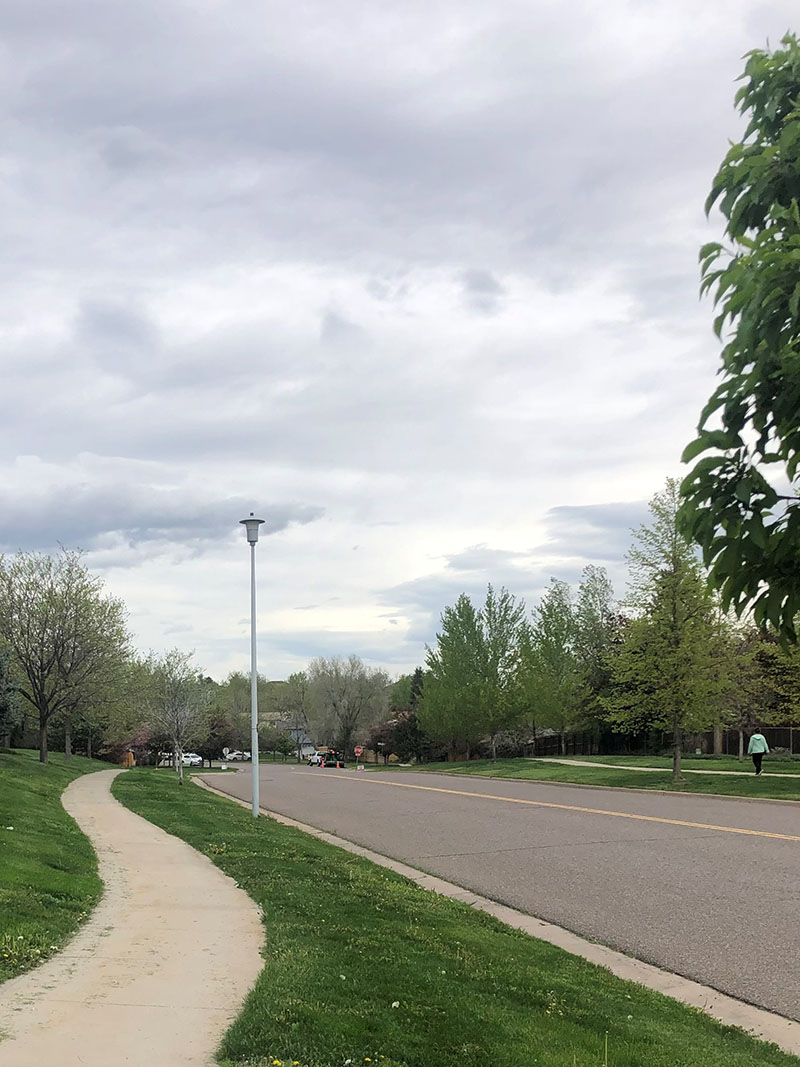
<point x="99" y="518"/>
<point x="600" y="533"/>
<point x="417" y="280"/>
<point x="482" y="291"/>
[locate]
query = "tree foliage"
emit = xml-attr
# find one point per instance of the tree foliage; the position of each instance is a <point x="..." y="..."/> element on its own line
<point x="66" y="634"/>
<point x="176" y="700"/>
<point x="550" y="671"/>
<point x="346" y="697"/>
<point x="664" y="674"/>
<point x="749" y="530"/>
<point x="9" y="697"/>
<point x="471" y="688"/>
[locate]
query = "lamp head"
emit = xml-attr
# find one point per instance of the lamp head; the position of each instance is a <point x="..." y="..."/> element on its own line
<point x="251" y="526"/>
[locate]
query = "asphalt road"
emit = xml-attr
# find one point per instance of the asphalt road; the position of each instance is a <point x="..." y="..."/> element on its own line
<point x="717" y="900"/>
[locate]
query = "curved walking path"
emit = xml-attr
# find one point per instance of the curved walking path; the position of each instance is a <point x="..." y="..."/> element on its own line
<point x="158" y="972"/>
<point x="568" y="762"/>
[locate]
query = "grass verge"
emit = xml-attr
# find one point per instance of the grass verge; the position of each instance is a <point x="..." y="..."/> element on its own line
<point x="772" y="764"/>
<point x="48" y="868"/>
<point x="545" y="771"/>
<point x="365" y="967"/>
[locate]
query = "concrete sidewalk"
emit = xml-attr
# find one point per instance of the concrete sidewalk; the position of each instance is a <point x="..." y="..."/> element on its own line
<point x="159" y="971"/>
<point x="569" y="762"/>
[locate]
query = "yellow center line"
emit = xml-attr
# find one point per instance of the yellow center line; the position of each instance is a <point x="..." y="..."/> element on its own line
<point x="566" y="807"/>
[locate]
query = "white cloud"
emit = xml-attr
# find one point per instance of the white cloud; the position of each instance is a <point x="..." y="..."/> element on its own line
<point x="418" y="279"/>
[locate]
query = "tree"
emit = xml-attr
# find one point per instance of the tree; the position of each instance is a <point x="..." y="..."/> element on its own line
<point x="763" y="682"/>
<point x="400" y="693"/>
<point x="664" y="674"/>
<point x="450" y="709"/>
<point x="219" y="733"/>
<point x="597" y="638"/>
<point x="284" y="744"/>
<point x="502" y="620"/>
<point x="9" y="699"/>
<point x="346" y="697"/>
<point x="748" y="531"/>
<point x="471" y="687"/>
<point x="549" y="669"/>
<point x="295" y="708"/>
<point x="176" y="701"/>
<point x="62" y="629"/>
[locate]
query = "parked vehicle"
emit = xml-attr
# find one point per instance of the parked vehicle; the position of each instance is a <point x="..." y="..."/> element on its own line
<point x="191" y="759"/>
<point x="326" y="759"/>
<point x="232" y="757"/>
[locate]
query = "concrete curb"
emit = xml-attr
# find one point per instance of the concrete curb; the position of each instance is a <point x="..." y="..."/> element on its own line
<point x="757" y="1021"/>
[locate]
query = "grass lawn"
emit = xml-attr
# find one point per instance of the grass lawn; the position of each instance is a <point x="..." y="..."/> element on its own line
<point x="773" y="764"/>
<point x="546" y="771"/>
<point x="364" y="967"/>
<point x="48" y="869"/>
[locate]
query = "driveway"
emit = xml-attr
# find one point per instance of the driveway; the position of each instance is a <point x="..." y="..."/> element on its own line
<point x="704" y="886"/>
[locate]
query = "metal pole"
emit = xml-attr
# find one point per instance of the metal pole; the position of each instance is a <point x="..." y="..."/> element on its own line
<point x="253" y="682"/>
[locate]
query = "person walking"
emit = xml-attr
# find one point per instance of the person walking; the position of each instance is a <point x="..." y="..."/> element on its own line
<point x="757" y="747"/>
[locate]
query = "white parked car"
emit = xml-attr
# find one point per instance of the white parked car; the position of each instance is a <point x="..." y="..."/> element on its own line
<point x="191" y="759"/>
<point x="235" y="755"/>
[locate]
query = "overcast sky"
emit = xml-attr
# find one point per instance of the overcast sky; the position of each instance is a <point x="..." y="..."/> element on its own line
<point x="414" y="281"/>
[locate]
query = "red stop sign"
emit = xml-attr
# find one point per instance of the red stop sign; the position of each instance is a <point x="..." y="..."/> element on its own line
<point x="358" y="750"/>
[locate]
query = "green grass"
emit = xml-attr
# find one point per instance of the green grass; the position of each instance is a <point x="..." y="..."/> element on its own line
<point x="772" y="764"/>
<point x="546" y="771"/>
<point x="48" y="869"/>
<point x="347" y="940"/>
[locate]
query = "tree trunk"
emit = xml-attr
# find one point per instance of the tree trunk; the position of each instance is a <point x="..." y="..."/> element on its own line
<point x="179" y="759"/>
<point x="676" y="752"/>
<point x="563" y="739"/>
<point x="741" y="744"/>
<point x="89" y="745"/>
<point x="42" y="739"/>
<point x="494" y="749"/>
<point x="717" y="738"/>
<point x="67" y="739"/>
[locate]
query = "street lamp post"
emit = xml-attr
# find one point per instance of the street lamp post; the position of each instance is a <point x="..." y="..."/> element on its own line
<point x="251" y="526"/>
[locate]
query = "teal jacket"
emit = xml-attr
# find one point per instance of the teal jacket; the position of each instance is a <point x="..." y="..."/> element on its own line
<point x="757" y="744"/>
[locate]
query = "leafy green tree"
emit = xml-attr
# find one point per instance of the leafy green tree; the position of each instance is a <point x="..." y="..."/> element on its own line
<point x="664" y="675"/>
<point x="549" y="672"/>
<point x="219" y="732"/>
<point x="598" y="626"/>
<point x="64" y="631"/>
<point x="748" y="530"/>
<point x="471" y="690"/>
<point x="284" y="745"/>
<point x="9" y="699"/>
<point x="503" y="620"/>
<point x="450" y="709"/>
<point x="400" y="694"/>
<point x="763" y="682"/>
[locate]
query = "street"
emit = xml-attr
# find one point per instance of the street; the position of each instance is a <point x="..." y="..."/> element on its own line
<point x="703" y="886"/>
